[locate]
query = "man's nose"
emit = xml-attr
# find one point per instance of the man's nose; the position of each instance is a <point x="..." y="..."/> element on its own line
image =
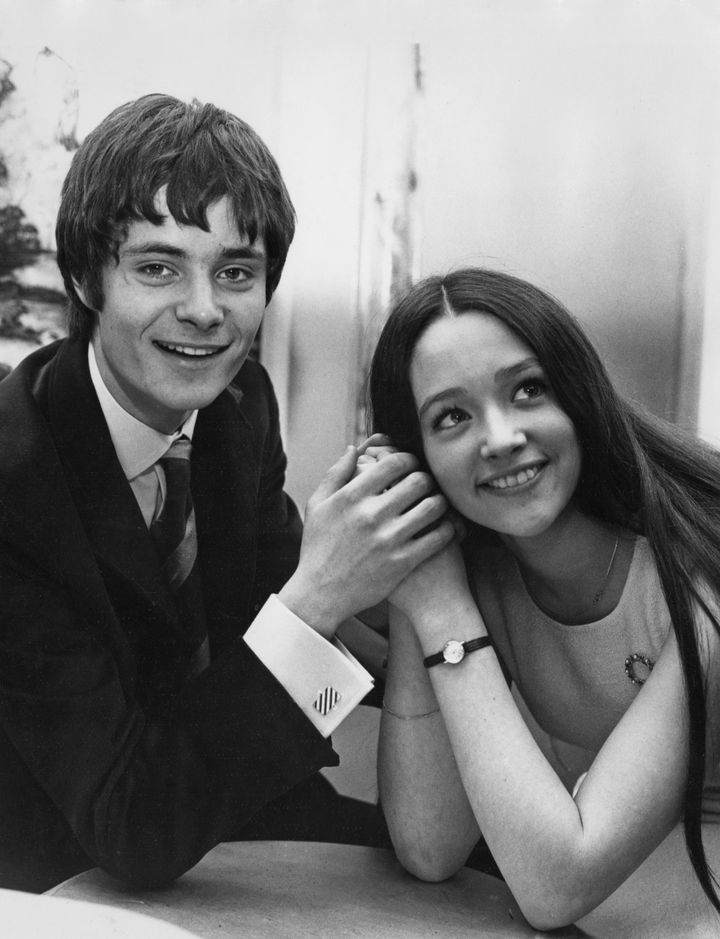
<point x="200" y="305"/>
<point x="502" y="434"/>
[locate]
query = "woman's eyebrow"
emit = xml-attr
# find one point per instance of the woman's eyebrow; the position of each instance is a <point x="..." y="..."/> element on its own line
<point x="511" y="370"/>
<point x="439" y="396"/>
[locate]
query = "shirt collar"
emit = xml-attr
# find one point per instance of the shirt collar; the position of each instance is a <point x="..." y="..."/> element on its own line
<point x="138" y="446"/>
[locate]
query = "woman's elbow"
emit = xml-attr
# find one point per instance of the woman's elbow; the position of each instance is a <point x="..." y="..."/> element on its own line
<point x="544" y="917"/>
<point x="554" y="906"/>
<point x="545" y="911"/>
<point x="428" y="862"/>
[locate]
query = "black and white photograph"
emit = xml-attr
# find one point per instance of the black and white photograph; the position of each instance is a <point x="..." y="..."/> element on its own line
<point x="360" y="468"/>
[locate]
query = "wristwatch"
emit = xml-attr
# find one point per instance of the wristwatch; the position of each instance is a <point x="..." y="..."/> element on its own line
<point x="454" y="651"/>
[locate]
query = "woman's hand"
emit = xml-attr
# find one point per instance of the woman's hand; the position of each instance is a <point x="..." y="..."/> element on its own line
<point x="372" y="450"/>
<point x="363" y="533"/>
<point x="433" y="585"/>
<point x="436" y="580"/>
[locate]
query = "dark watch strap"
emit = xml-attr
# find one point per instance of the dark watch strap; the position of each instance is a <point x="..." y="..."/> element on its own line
<point x="454" y="651"/>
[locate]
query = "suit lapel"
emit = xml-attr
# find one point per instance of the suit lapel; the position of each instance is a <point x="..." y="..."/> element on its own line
<point x="108" y="509"/>
<point x="225" y="481"/>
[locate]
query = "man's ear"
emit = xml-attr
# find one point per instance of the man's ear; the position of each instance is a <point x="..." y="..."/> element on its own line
<point x="83" y="294"/>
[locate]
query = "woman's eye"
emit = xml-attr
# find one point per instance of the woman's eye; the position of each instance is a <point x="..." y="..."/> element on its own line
<point x="449" y="418"/>
<point x="530" y="389"/>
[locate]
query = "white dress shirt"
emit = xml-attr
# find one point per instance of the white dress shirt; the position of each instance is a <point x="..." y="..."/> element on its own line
<point x="315" y="673"/>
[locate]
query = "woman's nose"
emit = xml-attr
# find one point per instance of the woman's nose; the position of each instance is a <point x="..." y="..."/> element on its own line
<point x="502" y="436"/>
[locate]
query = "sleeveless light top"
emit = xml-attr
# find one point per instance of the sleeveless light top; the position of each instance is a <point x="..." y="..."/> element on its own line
<point x="572" y="682"/>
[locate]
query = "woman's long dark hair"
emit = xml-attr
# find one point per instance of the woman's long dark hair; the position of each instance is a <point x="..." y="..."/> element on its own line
<point x="638" y="472"/>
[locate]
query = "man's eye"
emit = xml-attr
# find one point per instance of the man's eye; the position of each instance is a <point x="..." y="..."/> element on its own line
<point x="235" y="274"/>
<point x="156" y="270"/>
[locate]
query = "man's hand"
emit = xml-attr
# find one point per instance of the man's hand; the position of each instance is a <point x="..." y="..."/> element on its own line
<point x="364" y="533"/>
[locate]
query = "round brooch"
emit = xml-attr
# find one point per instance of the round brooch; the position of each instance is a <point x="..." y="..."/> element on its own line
<point x="631" y="670"/>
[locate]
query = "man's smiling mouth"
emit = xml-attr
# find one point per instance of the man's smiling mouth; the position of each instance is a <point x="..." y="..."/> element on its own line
<point x="197" y="352"/>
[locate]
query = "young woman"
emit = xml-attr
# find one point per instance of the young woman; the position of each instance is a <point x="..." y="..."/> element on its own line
<point x="588" y="578"/>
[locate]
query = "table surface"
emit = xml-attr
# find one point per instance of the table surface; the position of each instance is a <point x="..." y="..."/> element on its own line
<point x="27" y="916"/>
<point x="289" y="889"/>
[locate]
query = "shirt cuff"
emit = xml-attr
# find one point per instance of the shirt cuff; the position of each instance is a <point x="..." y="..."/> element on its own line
<point x="323" y="678"/>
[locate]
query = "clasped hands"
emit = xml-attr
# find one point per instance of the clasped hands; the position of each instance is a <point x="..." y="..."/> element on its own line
<point x="373" y="520"/>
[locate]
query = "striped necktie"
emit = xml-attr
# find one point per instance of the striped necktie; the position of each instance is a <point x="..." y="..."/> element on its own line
<point x="175" y="538"/>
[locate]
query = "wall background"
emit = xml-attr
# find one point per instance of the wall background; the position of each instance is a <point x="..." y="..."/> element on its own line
<point x="570" y="143"/>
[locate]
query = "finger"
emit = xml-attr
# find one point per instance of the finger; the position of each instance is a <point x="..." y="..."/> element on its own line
<point x="408" y="491"/>
<point x="373" y="454"/>
<point x="430" y="542"/>
<point x="382" y="474"/>
<point x="375" y="440"/>
<point x="338" y="475"/>
<point x="379" y="453"/>
<point x="364" y="463"/>
<point x="426" y="514"/>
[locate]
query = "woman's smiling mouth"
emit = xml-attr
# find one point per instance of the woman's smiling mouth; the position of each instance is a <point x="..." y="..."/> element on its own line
<point x="514" y="480"/>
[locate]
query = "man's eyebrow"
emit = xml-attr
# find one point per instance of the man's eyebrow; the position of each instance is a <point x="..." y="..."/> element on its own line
<point x="244" y="252"/>
<point x="233" y="252"/>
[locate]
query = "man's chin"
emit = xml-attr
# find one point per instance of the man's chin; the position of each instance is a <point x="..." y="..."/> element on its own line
<point x="171" y="413"/>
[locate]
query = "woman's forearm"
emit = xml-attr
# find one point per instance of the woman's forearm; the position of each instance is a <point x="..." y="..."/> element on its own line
<point x="430" y="820"/>
<point x="560" y="856"/>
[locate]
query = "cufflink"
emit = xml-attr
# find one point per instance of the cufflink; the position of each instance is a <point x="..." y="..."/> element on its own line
<point x="326" y="700"/>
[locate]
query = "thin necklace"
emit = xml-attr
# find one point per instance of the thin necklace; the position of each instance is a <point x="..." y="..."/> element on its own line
<point x="596" y="597"/>
<point x="606" y="578"/>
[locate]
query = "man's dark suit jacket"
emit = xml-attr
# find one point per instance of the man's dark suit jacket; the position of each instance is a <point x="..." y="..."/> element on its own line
<point x="104" y="759"/>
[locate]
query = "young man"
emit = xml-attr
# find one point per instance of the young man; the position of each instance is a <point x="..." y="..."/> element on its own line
<point x="168" y="673"/>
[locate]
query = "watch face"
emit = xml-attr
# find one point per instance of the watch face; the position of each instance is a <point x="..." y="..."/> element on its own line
<point x="453" y="652"/>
